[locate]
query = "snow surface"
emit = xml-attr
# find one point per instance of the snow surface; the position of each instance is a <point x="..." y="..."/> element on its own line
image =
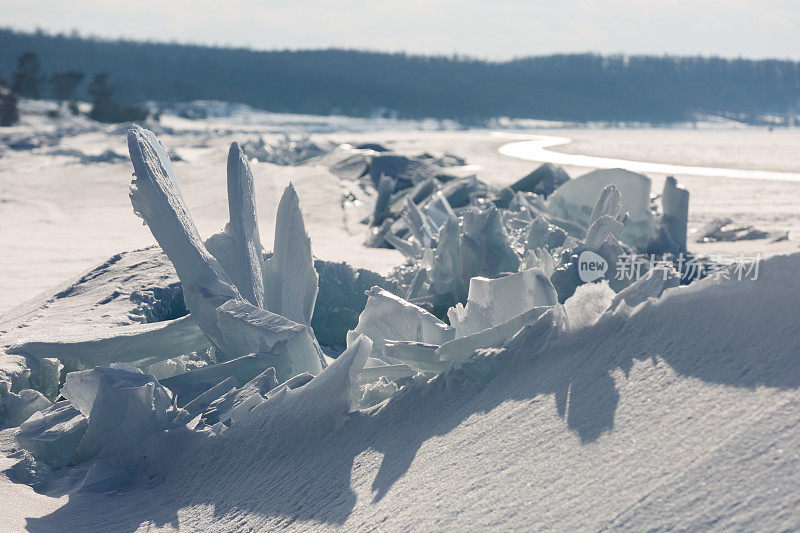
<point x="680" y="412"/>
<point x="684" y="414"/>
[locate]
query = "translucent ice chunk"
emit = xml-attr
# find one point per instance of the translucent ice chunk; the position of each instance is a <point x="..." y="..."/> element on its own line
<point x="494" y="301"/>
<point x="459" y="350"/>
<point x="238" y="247"/>
<point x="52" y="436"/>
<point x="156" y="198"/>
<point x="417" y="355"/>
<point x="290" y="346"/>
<point x="675" y="206"/>
<point x="201" y="403"/>
<point x="651" y="285"/>
<point x="124" y="408"/>
<point x="290" y="281"/>
<point x="575" y="199"/>
<point x="189" y="385"/>
<point x="15" y="407"/>
<point x="235" y="404"/>
<point x="14" y="373"/>
<point x="389" y="317"/>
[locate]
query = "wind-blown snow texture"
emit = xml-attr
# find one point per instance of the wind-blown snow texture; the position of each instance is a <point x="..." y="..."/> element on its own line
<point x="683" y="415"/>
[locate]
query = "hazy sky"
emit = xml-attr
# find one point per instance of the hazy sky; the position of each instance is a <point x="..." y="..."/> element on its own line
<point x="496" y="29"/>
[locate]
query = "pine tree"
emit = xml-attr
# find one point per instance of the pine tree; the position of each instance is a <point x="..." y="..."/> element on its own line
<point x="28" y="77"/>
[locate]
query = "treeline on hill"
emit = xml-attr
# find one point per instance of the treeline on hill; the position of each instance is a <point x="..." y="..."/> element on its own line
<point x="579" y="87"/>
<point x="29" y="81"/>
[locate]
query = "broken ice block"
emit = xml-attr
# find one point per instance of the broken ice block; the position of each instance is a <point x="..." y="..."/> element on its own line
<point x="494" y="301"/>
<point x="319" y="406"/>
<point x="124" y="408"/>
<point x="53" y="435"/>
<point x="235" y="404"/>
<point x="544" y="180"/>
<point x="542" y="234"/>
<point x="381" y="211"/>
<point x="238" y="248"/>
<point x="609" y="203"/>
<point x="189" y="385"/>
<point x="418" y="355"/>
<point x="459" y="350"/>
<point x="289" y="346"/>
<point x="149" y="343"/>
<point x="675" y="207"/>
<point x="600" y="230"/>
<point x="651" y="285"/>
<point x="290" y="384"/>
<point x="290" y="281"/>
<point x="201" y="403"/>
<point x="418" y="224"/>
<point x="390" y="372"/>
<point x="14" y="373"/>
<point x="15" y="407"/>
<point x="474" y="244"/>
<point x="575" y="199"/>
<point x="156" y="198"/>
<point x="389" y="317"/>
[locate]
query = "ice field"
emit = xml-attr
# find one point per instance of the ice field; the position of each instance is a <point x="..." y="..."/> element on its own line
<point x="218" y="368"/>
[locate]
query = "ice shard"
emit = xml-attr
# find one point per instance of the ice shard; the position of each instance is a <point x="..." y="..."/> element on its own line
<point x="389" y="317"/>
<point x="575" y="199"/>
<point x="290" y="281"/>
<point x="460" y="349"/>
<point x="189" y="385"/>
<point x="145" y="343"/>
<point x="156" y="198"/>
<point x="474" y="244"/>
<point x="289" y="346"/>
<point x="381" y="211"/>
<point x="391" y="372"/>
<point x="234" y="405"/>
<point x="542" y="234"/>
<point x="53" y="435"/>
<point x="494" y="301"/>
<point x="317" y="407"/>
<point x="650" y="285"/>
<point x="15" y="407"/>
<point x="290" y="384"/>
<point x="675" y="207"/>
<point x="123" y="408"/>
<point x="201" y="403"/>
<point x="238" y="247"/>
<point x="418" y="355"/>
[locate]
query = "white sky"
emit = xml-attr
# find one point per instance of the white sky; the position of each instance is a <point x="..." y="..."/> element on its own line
<point x="496" y="29"/>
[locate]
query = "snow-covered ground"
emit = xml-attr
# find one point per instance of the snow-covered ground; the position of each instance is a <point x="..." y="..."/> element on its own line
<point x="680" y="414"/>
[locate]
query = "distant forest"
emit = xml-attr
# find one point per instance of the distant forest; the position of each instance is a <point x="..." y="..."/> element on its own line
<point x="573" y="87"/>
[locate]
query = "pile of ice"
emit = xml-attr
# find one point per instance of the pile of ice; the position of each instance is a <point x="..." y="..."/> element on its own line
<point x="285" y="151"/>
<point x="724" y="229"/>
<point x="247" y="347"/>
